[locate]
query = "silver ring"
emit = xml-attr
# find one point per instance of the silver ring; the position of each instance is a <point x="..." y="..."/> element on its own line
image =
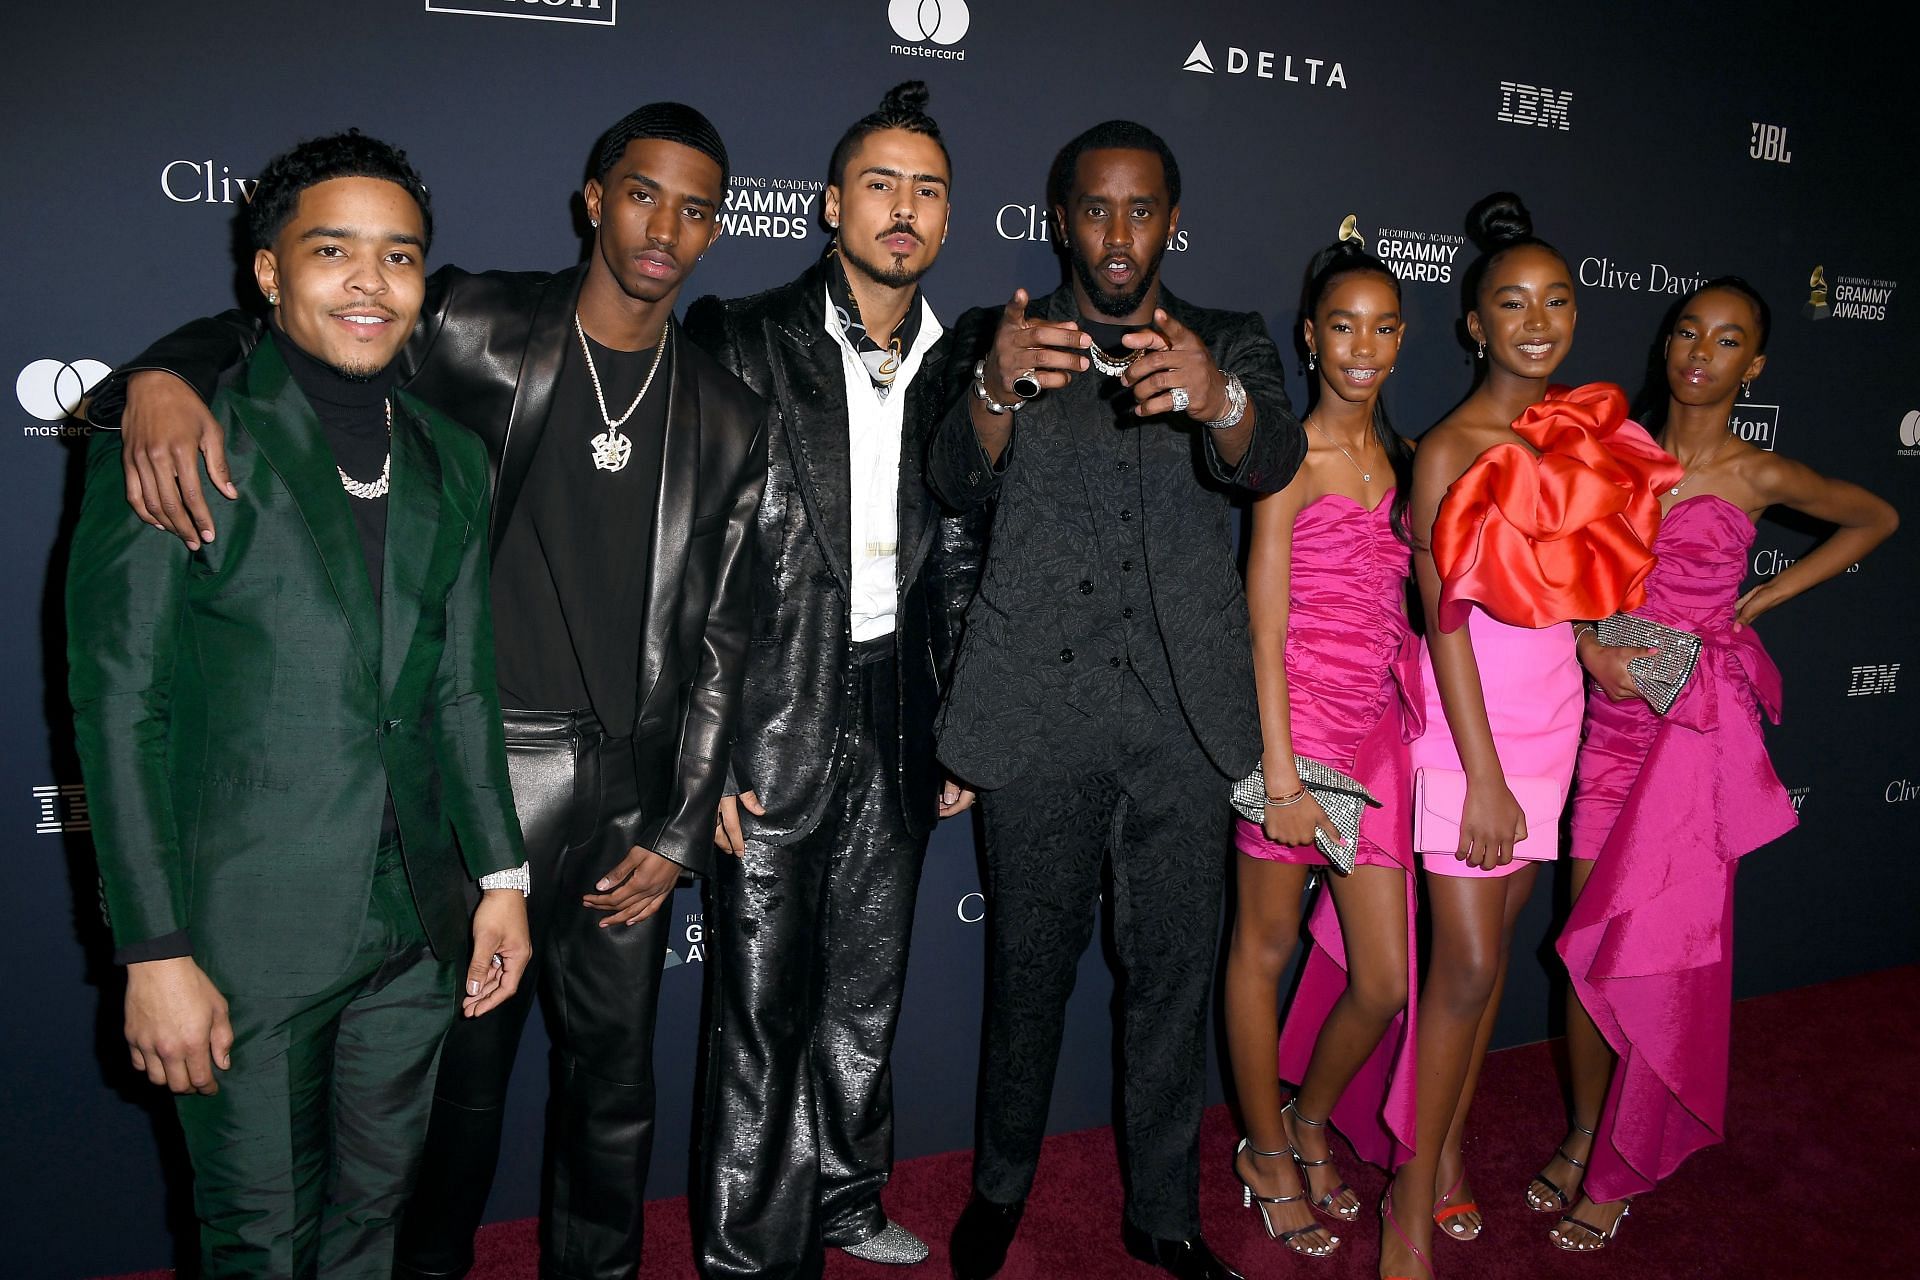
<point x="1180" y="399"/>
<point x="1026" y="386"/>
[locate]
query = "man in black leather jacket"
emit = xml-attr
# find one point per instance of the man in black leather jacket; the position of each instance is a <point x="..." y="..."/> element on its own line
<point x="1104" y="697"/>
<point x="622" y="539"/>
<point x="858" y="581"/>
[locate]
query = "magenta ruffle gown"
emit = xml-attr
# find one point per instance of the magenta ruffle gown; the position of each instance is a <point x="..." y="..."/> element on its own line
<point x="1349" y="650"/>
<point x="1664" y="807"/>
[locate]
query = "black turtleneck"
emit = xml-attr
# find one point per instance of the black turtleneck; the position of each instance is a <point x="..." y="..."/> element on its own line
<point x="353" y="418"/>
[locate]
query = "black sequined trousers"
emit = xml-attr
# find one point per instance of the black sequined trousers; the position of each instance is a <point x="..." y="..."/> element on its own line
<point x="807" y="956"/>
<point x="1143" y="796"/>
<point x="575" y="791"/>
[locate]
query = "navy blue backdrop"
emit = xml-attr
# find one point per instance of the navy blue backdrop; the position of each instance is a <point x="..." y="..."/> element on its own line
<point x="1654" y="153"/>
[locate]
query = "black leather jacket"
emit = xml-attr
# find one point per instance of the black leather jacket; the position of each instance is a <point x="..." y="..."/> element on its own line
<point x="800" y="670"/>
<point x="487" y="353"/>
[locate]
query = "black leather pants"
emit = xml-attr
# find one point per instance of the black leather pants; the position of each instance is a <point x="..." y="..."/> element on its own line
<point x="808" y="960"/>
<point x="598" y="990"/>
<point x="1154" y="806"/>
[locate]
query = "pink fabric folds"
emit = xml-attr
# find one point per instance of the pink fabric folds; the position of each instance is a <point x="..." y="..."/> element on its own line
<point x="1665" y="808"/>
<point x="1376" y="1111"/>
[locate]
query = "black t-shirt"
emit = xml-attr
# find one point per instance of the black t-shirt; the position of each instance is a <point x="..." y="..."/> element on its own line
<point x="570" y="580"/>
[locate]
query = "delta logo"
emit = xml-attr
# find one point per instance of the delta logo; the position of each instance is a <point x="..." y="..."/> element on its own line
<point x="1265" y="64"/>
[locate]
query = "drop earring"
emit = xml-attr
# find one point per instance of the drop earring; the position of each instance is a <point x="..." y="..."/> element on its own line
<point x="1481" y="354"/>
<point x="1746" y="387"/>
<point x="1313" y="361"/>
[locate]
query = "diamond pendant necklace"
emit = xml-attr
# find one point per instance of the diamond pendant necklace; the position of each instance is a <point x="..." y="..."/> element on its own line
<point x="1366" y="476"/>
<point x="611" y="448"/>
<point x="371" y="489"/>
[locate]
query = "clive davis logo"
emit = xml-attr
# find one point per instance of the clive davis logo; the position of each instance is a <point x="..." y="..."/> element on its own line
<point x="930" y="28"/>
<point x="1264" y="64"/>
<point x="1848" y="298"/>
<point x="599" y="13"/>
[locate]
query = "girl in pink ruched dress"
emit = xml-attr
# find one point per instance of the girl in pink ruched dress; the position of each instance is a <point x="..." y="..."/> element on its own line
<point x="1326" y="583"/>
<point x="1666" y="805"/>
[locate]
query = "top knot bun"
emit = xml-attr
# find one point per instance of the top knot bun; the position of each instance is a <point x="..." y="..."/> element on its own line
<point x="1499" y="220"/>
<point x="909" y="97"/>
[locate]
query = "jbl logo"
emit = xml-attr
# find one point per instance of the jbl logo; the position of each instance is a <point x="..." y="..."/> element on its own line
<point x="1529" y="104"/>
<point x="1769" y="142"/>
<point x="62" y="808"/>
<point x="1871" y="680"/>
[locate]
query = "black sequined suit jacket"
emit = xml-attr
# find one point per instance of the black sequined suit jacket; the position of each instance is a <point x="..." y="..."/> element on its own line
<point x="1015" y="681"/>
<point x="801" y="678"/>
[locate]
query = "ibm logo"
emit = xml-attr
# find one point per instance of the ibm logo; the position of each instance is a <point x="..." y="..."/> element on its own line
<point x="1529" y="104"/>
<point x="1868" y="681"/>
<point x="62" y="808"/>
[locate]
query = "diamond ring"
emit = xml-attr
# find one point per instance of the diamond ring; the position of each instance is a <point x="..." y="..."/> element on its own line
<point x="1180" y="399"/>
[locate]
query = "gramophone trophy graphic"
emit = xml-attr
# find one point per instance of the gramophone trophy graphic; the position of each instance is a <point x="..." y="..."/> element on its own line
<point x="1817" y="308"/>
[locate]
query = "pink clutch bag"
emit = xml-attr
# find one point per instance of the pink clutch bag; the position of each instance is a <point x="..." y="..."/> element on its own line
<point x="1439" y="796"/>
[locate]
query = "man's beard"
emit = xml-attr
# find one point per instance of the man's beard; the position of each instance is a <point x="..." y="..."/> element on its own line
<point x="897" y="276"/>
<point x="362" y="372"/>
<point x="1116" y="305"/>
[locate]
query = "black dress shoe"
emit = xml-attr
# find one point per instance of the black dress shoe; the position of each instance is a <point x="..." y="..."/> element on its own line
<point x="978" y="1248"/>
<point x="1187" y="1259"/>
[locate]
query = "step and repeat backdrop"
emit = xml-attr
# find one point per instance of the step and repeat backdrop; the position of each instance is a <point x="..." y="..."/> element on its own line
<point x="1654" y="153"/>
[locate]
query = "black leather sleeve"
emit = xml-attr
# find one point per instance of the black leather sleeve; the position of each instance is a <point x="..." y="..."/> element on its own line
<point x="197" y="353"/>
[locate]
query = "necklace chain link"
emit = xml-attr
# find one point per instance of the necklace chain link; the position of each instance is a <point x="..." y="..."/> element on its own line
<point x="371" y="489"/>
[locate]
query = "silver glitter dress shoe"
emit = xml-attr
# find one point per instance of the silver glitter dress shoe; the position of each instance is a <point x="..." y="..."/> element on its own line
<point x="893" y="1245"/>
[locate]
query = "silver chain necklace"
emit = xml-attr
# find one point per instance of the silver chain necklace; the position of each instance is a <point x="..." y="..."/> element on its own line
<point x="371" y="489"/>
<point x="1687" y="473"/>
<point x="1366" y="476"/>
<point x="611" y="449"/>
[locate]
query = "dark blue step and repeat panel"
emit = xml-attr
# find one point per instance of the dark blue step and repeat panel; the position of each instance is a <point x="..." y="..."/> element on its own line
<point x="1656" y="152"/>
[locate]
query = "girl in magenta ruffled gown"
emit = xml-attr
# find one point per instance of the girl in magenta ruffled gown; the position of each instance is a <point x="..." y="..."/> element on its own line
<point x="1326" y="582"/>
<point x="1665" y="805"/>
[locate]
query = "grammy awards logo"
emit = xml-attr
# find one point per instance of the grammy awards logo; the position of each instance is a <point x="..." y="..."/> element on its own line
<point x="1350" y="232"/>
<point x="1817" y="308"/>
<point x="1424" y="256"/>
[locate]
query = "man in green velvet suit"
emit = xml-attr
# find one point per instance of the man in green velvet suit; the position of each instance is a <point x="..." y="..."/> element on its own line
<point x="291" y="740"/>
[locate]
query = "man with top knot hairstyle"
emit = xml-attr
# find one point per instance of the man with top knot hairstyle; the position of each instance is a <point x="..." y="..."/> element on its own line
<point x="858" y="582"/>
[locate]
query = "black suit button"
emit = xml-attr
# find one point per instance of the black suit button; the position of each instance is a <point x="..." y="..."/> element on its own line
<point x="1127" y="612"/>
<point x="1126" y="566"/>
<point x="1086" y="586"/>
<point x="1122" y="464"/>
<point x="1126" y="515"/>
<point x="1113" y="662"/>
<point x="1066" y="655"/>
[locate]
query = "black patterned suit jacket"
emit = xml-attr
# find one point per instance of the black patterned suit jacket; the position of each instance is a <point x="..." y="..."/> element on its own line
<point x="1020" y="685"/>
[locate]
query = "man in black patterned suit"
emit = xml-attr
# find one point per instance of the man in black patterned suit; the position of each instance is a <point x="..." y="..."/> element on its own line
<point x="1104" y="696"/>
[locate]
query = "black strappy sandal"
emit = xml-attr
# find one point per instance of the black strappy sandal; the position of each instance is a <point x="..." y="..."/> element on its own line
<point x="1559" y="1194"/>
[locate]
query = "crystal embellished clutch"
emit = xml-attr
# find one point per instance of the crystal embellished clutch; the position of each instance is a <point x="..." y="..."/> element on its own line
<point x="1659" y="676"/>
<point x="1342" y="799"/>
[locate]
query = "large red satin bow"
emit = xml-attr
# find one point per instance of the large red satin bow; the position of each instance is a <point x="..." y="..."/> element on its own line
<point x="1569" y="534"/>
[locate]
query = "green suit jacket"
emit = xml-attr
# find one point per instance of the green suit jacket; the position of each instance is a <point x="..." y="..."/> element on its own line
<point x="243" y="710"/>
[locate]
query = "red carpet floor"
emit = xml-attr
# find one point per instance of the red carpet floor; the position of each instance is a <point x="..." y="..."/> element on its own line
<point x="1823" y="1124"/>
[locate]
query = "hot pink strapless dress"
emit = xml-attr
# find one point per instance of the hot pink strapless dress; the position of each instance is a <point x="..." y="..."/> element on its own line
<point x="1350" y="659"/>
<point x="1665" y="807"/>
<point x="1534" y="691"/>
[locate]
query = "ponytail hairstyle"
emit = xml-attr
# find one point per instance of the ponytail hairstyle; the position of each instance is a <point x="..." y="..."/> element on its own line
<point x="1498" y="224"/>
<point x="1332" y="264"/>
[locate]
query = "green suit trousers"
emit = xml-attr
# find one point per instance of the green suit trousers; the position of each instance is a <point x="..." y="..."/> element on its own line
<point x="305" y="1158"/>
